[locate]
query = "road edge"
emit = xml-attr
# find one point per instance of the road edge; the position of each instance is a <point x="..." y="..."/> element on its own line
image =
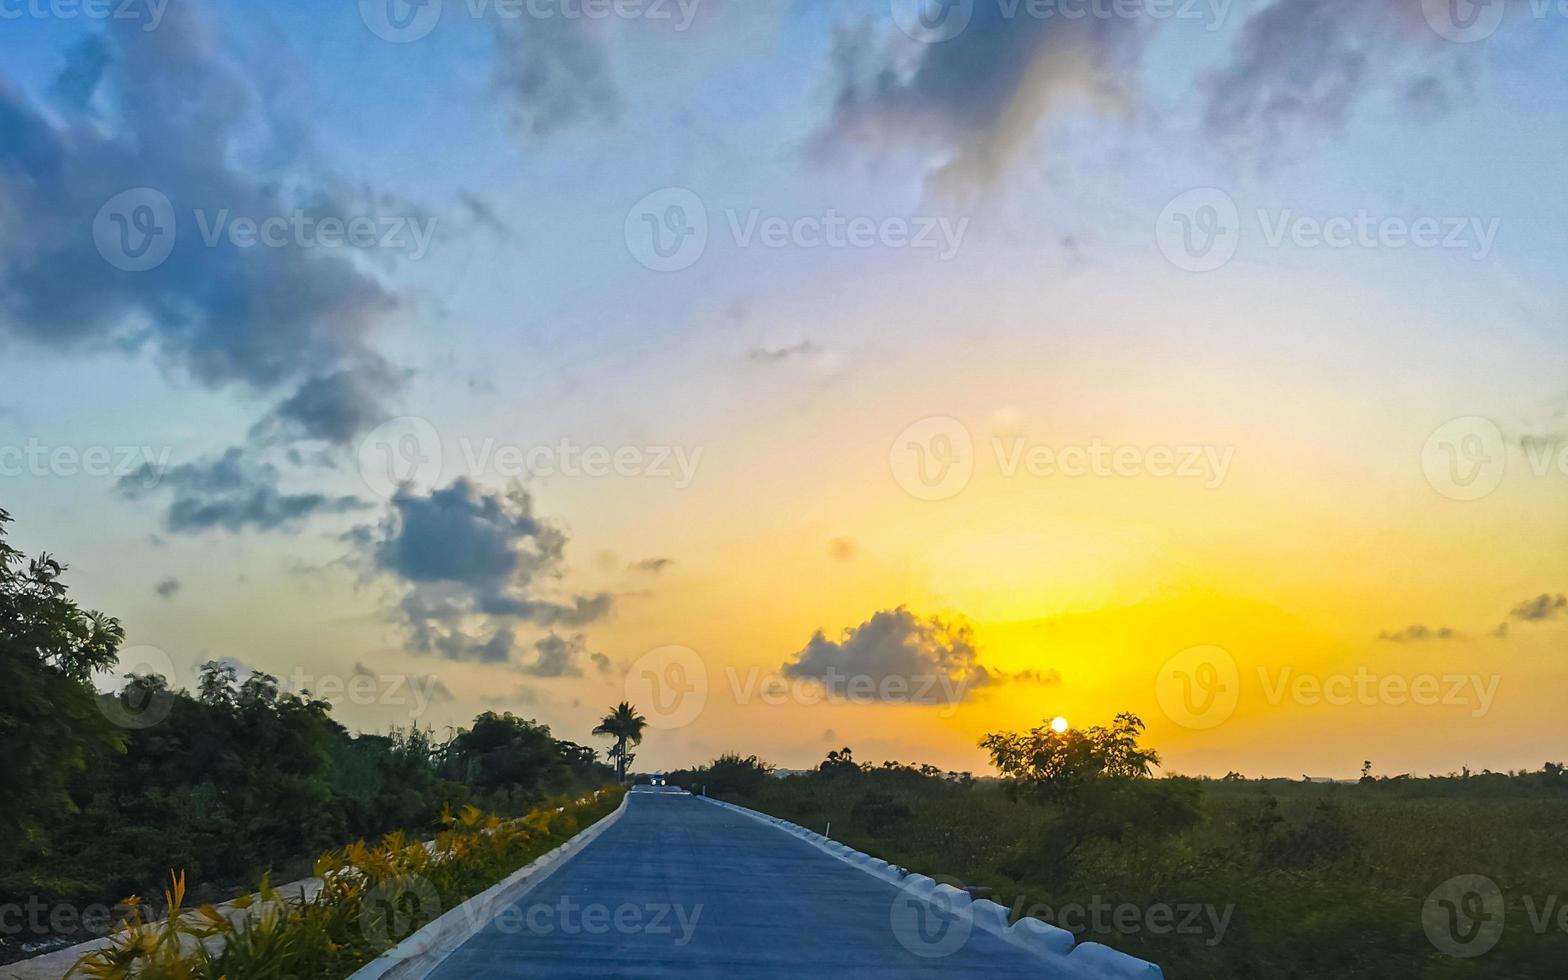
<point x="421" y="953"/>
<point x="1092" y="961"/>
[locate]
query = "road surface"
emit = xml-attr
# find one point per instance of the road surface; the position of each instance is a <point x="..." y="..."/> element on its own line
<point x="681" y="887"/>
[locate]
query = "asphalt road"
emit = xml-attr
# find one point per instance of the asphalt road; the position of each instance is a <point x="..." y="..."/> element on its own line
<point x="680" y="887"/>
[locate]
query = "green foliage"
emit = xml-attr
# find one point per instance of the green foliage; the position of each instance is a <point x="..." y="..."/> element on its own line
<point x="105" y="793"/>
<point x="879" y="814"/>
<point x="729" y="774"/>
<point x="370" y="899"/>
<point x="50" y="722"/>
<point x="1319" y="882"/>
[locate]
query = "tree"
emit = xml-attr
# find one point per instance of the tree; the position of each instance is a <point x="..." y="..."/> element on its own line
<point x="624" y="725"/>
<point x="1096" y="780"/>
<point x="50" y="722"/>
<point x="840" y="762"/>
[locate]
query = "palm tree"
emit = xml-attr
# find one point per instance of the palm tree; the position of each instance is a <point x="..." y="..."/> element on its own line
<point x="624" y="725"/>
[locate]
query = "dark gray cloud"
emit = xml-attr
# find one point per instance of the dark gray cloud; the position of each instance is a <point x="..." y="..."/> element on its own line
<point x="976" y="101"/>
<point x="471" y="566"/>
<point x="897" y="657"/>
<point x="652" y="566"/>
<point x="336" y="407"/>
<point x="167" y="110"/>
<point x="1301" y="68"/>
<point x="1420" y="634"/>
<point x="1543" y="607"/>
<point x="554" y="72"/>
<point x="167" y="588"/>
<point x="557" y="656"/>
<point x="232" y="492"/>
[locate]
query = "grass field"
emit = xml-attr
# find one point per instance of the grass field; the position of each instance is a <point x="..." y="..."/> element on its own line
<point x="1276" y="878"/>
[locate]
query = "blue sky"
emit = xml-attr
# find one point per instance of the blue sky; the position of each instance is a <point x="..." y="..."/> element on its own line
<point x="1048" y="152"/>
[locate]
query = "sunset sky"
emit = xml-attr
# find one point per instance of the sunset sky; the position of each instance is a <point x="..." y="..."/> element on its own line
<point x="1024" y="354"/>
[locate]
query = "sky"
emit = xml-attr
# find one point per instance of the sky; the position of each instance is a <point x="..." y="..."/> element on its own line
<point x="810" y="374"/>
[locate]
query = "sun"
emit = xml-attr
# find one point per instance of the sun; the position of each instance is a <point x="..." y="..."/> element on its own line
<point x="1058" y="725"/>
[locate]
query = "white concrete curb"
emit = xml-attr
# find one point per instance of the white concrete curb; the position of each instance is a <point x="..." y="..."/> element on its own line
<point x="418" y="955"/>
<point x="1089" y="961"/>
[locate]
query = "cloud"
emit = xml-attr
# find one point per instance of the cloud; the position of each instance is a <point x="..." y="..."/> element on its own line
<point x="897" y="657"/>
<point x="432" y="688"/>
<point x="773" y="355"/>
<point x="336" y="407"/>
<point x="167" y="588"/>
<point x="231" y="492"/>
<point x="1301" y="68"/>
<point x="652" y="566"/>
<point x="471" y="564"/>
<point x="175" y="115"/>
<point x="1543" y="607"/>
<point x="843" y="549"/>
<point x="554" y="73"/>
<point x="560" y="657"/>
<point x="977" y="100"/>
<point x="1420" y="634"/>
